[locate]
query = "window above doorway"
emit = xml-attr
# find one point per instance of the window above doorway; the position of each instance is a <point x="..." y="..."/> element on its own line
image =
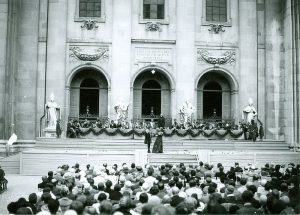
<point x="90" y="10"/>
<point x="216" y="12"/>
<point x="154" y="11"/>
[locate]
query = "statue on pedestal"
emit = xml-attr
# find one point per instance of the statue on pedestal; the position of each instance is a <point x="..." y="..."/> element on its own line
<point x="122" y="112"/>
<point x="185" y="112"/>
<point x="52" y="112"/>
<point x="249" y="112"/>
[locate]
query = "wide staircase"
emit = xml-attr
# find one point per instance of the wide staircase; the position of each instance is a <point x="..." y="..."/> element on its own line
<point x="49" y="153"/>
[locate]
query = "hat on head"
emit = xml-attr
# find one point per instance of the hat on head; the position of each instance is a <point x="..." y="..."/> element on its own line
<point x="230" y="189"/>
<point x="65" y="202"/>
<point x="122" y="179"/>
<point x="145" y="187"/>
<point x="128" y="184"/>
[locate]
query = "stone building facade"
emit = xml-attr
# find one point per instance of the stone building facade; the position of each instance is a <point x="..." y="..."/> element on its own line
<point x="215" y="54"/>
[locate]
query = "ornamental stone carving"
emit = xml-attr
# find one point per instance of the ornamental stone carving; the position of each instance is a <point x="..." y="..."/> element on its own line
<point x="153" y="26"/>
<point x="216" y="28"/>
<point x="78" y="53"/>
<point x="227" y="57"/>
<point x="89" y="24"/>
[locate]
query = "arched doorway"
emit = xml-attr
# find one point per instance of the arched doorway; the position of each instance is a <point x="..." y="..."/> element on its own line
<point x="212" y="100"/>
<point x="214" y="97"/>
<point x="151" y="90"/>
<point x="151" y="98"/>
<point x="88" y="90"/>
<point x="89" y="98"/>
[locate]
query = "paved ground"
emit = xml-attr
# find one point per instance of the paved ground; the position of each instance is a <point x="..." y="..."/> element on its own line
<point x="18" y="186"/>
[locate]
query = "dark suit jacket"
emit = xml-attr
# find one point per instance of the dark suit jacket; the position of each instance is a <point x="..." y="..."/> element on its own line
<point x="147" y="138"/>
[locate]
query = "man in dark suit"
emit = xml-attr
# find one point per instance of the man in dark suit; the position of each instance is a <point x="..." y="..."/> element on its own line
<point x="147" y="139"/>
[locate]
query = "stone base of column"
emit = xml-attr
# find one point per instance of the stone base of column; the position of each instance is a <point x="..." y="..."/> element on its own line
<point x="50" y="132"/>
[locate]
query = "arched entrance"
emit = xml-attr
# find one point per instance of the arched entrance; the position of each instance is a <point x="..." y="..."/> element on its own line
<point x="89" y="98"/>
<point x="212" y="100"/>
<point x="214" y="96"/>
<point x="151" y="89"/>
<point x="89" y="94"/>
<point x="151" y="94"/>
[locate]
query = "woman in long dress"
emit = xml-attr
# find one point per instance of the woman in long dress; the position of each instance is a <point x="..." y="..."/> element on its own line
<point x="158" y="144"/>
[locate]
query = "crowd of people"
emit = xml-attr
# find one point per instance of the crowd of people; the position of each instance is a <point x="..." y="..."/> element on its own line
<point x="164" y="190"/>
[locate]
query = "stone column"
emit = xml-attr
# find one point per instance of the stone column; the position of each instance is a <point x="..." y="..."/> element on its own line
<point x="26" y="72"/>
<point x="56" y="53"/>
<point x="261" y="60"/>
<point x="42" y="41"/>
<point x="248" y="53"/>
<point x="185" y="55"/>
<point x="121" y="55"/>
<point x="274" y="70"/>
<point x="295" y="9"/>
<point x="4" y="51"/>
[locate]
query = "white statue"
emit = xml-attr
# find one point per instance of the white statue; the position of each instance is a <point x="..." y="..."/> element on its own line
<point x="52" y="112"/>
<point x="122" y="112"/>
<point x="249" y="112"/>
<point x="186" y="111"/>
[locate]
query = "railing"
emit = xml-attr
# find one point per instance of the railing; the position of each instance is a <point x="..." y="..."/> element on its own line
<point x="146" y="119"/>
<point x="90" y="118"/>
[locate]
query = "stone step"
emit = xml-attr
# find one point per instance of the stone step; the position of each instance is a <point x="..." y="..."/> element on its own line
<point x="53" y="143"/>
<point x="159" y="159"/>
<point x="11" y="164"/>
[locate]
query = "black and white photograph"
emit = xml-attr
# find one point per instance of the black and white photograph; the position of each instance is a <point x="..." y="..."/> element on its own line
<point x="149" y="107"/>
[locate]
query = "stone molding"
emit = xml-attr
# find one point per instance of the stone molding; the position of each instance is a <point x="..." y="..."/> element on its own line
<point x="153" y="26"/>
<point x="78" y="53"/>
<point x="228" y="57"/>
<point x="216" y="28"/>
<point x="89" y="24"/>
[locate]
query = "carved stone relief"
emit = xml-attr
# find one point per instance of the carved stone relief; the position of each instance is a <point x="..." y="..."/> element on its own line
<point x="89" y="24"/>
<point x="77" y="53"/>
<point x="153" y="26"/>
<point x="226" y="57"/>
<point x="216" y="28"/>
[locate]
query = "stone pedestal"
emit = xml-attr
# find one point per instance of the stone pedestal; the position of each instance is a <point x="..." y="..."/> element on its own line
<point x="50" y="132"/>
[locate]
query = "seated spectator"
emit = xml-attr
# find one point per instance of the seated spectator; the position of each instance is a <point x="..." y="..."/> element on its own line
<point x="247" y="208"/>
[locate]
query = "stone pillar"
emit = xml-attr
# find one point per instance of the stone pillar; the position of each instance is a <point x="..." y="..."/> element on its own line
<point x="26" y="72"/>
<point x="4" y="15"/>
<point x="185" y="55"/>
<point x="261" y="60"/>
<point x="248" y="53"/>
<point x="295" y="9"/>
<point x="42" y="41"/>
<point x="121" y="55"/>
<point x="274" y="70"/>
<point x="56" y="54"/>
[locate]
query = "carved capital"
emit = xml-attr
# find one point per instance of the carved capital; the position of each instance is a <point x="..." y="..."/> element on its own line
<point x="216" y="28"/>
<point x="79" y="54"/>
<point x="89" y="24"/>
<point x="226" y="57"/>
<point x="153" y="26"/>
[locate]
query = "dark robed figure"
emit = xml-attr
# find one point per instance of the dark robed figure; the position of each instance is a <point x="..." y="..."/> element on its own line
<point x="158" y="144"/>
<point x="147" y="139"/>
